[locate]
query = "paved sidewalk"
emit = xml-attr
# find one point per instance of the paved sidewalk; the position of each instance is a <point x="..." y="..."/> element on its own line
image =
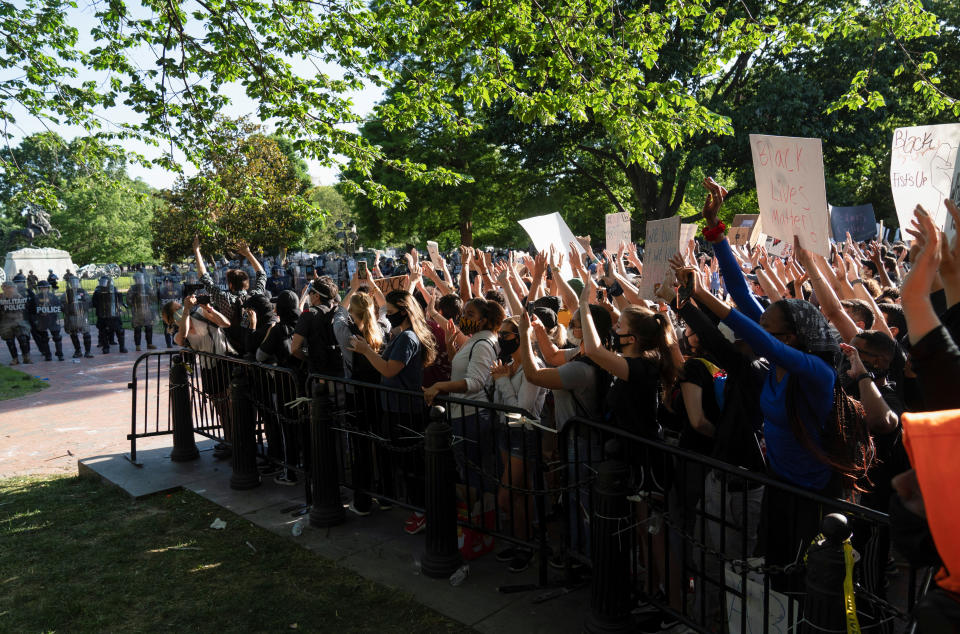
<point x="85" y="412"/>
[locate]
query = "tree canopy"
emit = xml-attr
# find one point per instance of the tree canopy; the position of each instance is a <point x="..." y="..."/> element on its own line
<point x="250" y="191"/>
<point x="643" y="79"/>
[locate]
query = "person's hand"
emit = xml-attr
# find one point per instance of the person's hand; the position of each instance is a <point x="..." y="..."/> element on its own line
<point x="604" y="301"/>
<point x="359" y="345"/>
<point x="950" y="256"/>
<point x="539" y="264"/>
<point x="762" y="259"/>
<point x="589" y="293"/>
<point x="499" y="370"/>
<point x="189" y="301"/>
<point x="252" y="317"/>
<point x="907" y="487"/>
<point x="466" y="255"/>
<point x="525" y="325"/>
<point x="667" y="291"/>
<point x="856" y="364"/>
<point x="450" y="329"/>
<point x="196" y="243"/>
<point x="243" y="248"/>
<point x="803" y="256"/>
<point x="677" y="262"/>
<point x="927" y="240"/>
<point x="575" y="260"/>
<point x="715" y="197"/>
<point x="503" y="276"/>
<point x="430" y="393"/>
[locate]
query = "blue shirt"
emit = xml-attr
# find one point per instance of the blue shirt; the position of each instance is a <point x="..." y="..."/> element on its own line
<point x="405" y="348"/>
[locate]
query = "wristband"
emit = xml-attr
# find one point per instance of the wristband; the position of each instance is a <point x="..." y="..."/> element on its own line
<point x="865" y="375"/>
<point x="714" y="234"/>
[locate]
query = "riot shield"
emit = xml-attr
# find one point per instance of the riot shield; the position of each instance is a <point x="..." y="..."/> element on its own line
<point x="105" y="299"/>
<point x="75" y="305"/>
<point x="169" y="290"/>
<point x="140" y="297"/>
<point x="47" y="306"/>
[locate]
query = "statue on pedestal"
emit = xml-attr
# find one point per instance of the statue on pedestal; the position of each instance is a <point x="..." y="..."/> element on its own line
<point x="38" y="224"/>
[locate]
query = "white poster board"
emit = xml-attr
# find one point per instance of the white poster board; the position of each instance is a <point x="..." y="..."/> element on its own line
<point x="552" y="230"/>
<point x="618" y="230"/>
<point x="925" y="169"/>
<point x="663" y="241"/>
<point x="791" y="191"/>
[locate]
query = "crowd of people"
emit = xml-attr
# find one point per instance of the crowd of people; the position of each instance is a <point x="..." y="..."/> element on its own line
<point x="798" y="366"/>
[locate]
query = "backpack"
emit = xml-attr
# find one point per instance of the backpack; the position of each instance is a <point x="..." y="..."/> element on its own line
<point x="323" y="350"/>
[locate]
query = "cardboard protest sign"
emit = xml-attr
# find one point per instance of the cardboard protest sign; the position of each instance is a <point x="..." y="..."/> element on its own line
<point x="791" y="191"/>
<point x="924" y="170"/>
<point x="618" y="230"/>
<point x="549" y="230"/>
<point x="859" y="220"/>
<point x="395" y="283"/>
<point x="745" y="229"/>
<point x="663" y="240"/>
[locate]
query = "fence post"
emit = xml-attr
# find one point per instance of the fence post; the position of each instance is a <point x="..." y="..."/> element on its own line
<point x="611" y="546"/>
<point x="184" y="445"/>
<point x="442" y="556"/>
<point x="244" y="455"/>
<point x="824" y="602"/>
<point x="327" y="509"/>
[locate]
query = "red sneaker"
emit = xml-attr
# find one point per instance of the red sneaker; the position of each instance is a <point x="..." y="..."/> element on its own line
<point x="415" y="524"/>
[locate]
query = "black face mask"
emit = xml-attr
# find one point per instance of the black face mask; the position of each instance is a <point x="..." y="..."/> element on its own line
<point x="617" y="343"/>
<point x="878" y="373"/>
<point x="507" y="348"/>
<point x="396" y="318"/>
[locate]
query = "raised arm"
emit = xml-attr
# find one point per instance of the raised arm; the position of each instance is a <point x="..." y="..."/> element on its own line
<point x="544" y="377"/>
<point x="829" y="303"/>
<point x="606" y="359"/>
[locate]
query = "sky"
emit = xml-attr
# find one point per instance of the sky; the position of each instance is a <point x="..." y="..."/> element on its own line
<point x="83" y="17"/>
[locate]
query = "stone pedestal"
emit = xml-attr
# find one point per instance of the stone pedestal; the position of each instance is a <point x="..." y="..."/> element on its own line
<point x="40" y="261"/>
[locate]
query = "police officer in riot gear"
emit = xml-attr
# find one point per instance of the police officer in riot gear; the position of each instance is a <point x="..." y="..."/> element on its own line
<point x="108" y="304"/>
<point x="53" y="280"/>
<point x="140" y="302"/>
<point x="168" y="291"/>
<point x="75" y="322"/>
<point x="45" y="308"/>
<point x="13" y="324"/>
<point x="31" y="281"/>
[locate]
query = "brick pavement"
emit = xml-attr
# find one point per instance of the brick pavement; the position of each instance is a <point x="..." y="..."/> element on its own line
<point x="85" y="411"/>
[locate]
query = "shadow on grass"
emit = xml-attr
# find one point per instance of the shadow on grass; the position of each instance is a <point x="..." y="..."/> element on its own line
<point x="78" y="556"/>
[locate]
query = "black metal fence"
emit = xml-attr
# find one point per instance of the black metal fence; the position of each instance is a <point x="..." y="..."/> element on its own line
<point x="659" y="531"/>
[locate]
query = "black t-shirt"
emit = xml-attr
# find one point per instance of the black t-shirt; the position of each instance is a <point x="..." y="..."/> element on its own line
<point x="316" y="327"/>
<point x="695" y="371"/>
<point x="632" y="404"/>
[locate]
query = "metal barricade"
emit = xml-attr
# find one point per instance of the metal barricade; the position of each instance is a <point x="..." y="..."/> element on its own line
<point x="692" y="528"/>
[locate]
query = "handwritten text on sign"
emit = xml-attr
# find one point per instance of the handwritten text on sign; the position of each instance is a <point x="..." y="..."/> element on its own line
<point x="663" y="240"/>
<point x="790" y="190"/>
<point x="925" y="169"/>
<point x="618" y="230"/>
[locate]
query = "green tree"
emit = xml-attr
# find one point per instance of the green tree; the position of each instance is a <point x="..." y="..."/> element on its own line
<point x="651" y="76"/>
<point x="249" y="191"/>
<point x="107" y="222"/>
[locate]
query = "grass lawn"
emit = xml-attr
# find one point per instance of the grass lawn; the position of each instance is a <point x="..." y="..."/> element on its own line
<point x="78" y="556"/>
<point x="14" y="383"/>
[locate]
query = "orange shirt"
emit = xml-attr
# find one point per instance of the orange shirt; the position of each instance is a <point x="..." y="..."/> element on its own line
<point x="932" y="440"/>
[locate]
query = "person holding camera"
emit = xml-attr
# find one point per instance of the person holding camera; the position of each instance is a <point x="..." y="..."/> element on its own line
<point x="201" y="327"/>
<point x="230" y="302"/>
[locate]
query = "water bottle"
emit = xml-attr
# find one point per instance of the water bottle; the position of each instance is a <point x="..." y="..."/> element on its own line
<point x="460" y="575"/>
